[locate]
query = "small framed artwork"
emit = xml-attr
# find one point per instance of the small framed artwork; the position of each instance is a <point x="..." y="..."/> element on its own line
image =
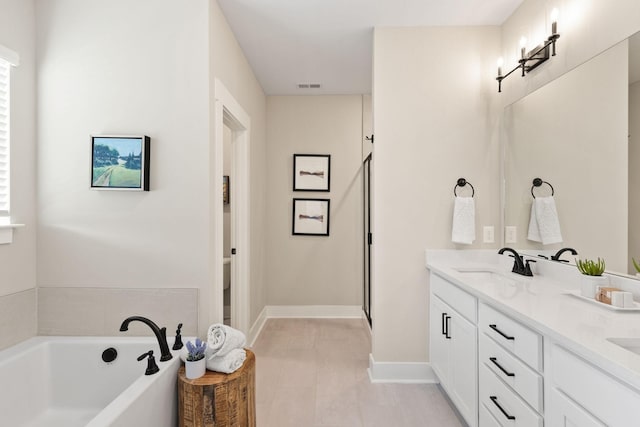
<point x="225" y="189"/>
<point x="311" y="217"/>
<point x="120" y="162"/>
<point x="311" y="172"/>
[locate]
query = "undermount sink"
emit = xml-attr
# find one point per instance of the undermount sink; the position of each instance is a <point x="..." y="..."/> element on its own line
<point x="631" y="344"/>
<point x="487" y="275"/>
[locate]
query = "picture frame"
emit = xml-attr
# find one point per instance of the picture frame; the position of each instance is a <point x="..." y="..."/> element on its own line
<point x="312" y="172"/>
<point x="225" y="189"/>
<point x="120" y="162"/>
<point x="310" y="217"/>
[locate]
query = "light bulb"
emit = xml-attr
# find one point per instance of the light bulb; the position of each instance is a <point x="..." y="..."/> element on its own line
<point x="554" y="21"/>
<point x="523" y="47"/>
<point x="500" y="63"/>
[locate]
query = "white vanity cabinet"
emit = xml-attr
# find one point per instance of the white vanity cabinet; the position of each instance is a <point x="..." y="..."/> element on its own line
<point x="510" y="371"/>
<point x="580" y="394"/>
<point x="453" y="344"/>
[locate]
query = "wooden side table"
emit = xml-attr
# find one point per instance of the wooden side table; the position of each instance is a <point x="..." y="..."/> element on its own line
<point x="219" y="400"/>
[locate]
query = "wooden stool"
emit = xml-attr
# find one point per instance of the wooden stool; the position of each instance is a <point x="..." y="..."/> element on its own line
<point x="219" y="400"/>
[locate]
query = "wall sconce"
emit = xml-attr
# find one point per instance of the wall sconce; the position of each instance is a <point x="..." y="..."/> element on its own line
<point x="530" y="60"/>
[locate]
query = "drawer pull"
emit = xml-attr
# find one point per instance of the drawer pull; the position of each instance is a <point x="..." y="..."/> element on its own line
<point x="495" y="362"/>
<point x="495" y="328"/>
<point x="494" y="399"/>
<point x="446" y="320"/>
<point x="444" y="323"/>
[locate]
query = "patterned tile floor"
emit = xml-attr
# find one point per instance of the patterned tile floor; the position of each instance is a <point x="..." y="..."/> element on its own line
<point x="313" y="373"/>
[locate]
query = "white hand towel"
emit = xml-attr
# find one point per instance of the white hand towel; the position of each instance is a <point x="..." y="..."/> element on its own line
<point x="464" y="221"/>
<point x="228" y="363"/>
<point x="221" y="339"/>
<point x="544" y="225"/>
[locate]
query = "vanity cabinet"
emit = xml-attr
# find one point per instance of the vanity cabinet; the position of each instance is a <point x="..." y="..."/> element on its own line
<point x="510" y="371"/>
<point x="579" y="393"/>
<point x="453" y="343"/>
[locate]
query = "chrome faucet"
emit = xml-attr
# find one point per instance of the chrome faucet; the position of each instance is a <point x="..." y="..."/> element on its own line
<point x="519" y="266"/>
<point x="556" y="257"/>
<point x="160" y="333"/>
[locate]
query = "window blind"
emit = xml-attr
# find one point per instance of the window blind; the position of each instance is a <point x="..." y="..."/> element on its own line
<point x="5" y="68"/>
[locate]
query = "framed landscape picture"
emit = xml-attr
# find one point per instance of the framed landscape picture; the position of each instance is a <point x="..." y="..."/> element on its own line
<point x="311" y="172"/>
<point x="120" y="162"/>
<point x="311" y="217"/>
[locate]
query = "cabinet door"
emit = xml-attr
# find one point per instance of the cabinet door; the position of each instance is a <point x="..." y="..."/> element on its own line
<point x="439" y="343"/>
<point x="463" y="374"/>
<point x="564" y="412"/>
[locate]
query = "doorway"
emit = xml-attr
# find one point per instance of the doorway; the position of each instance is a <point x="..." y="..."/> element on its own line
<point x="231" y="252"/>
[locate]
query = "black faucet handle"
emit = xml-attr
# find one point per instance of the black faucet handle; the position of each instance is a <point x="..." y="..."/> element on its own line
<point x="517" y="262"/>
<point x="152" y="367"/>
<point x="527" y="268"/>
<point x="177" y="344"/>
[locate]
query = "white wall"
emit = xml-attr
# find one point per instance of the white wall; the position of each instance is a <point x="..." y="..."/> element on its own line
<point x="17" y="260"/>
<point x="434" y="121"/>
<point x="228" y="64"/>
<point x="311" y="270"/>
<point x="122" y="67"/>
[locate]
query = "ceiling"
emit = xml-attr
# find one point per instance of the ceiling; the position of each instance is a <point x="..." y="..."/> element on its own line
<point x="288" y="42"/>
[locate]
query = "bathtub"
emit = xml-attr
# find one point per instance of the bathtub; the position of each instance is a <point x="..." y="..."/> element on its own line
<point x="63" y="381"/>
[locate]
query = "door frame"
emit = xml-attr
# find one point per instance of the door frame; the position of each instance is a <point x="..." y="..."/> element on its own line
<point x="227" y="111"/>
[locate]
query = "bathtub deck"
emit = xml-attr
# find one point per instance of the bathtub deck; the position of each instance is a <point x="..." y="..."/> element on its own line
<point x="64" y="417"/>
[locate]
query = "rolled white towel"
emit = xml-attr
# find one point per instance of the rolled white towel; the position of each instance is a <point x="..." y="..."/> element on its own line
<point x="228" y="363"/>
<point x="221" y="339"/>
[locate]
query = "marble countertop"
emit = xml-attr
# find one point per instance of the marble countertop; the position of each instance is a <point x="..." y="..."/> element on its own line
<point x="542" y="303"/>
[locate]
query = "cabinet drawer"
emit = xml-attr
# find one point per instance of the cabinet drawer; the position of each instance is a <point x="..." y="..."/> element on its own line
<point x="486" y="419"/>
<point x="504" y="404"/>
<point x="518" y="339"/>
<point x="456" y="298"/>
<point x="588" y="386"/>
<point x="524" y="380"/>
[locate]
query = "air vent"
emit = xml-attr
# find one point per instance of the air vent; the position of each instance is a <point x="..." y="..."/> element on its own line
<point x="309" y="86"/>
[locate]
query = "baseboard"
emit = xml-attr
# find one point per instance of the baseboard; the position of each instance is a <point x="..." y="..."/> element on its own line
<point x="318" y="311"/>
<point x="257" y="326"/>
<point x="401" y="372"/>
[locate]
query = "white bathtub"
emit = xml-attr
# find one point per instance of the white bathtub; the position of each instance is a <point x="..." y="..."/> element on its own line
<point x="63" y="381"/>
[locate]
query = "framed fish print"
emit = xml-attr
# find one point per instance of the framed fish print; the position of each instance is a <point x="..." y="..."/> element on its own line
<point x="310" y="217"/>
<point x="311" y="172"/>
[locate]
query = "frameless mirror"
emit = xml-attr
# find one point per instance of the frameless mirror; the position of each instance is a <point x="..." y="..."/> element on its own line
<point x="581" y="134"/>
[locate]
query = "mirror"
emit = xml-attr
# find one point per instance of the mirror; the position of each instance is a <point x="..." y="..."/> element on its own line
<point x="581" y="134"/>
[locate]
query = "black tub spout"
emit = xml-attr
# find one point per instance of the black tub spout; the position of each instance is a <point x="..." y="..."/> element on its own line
<point x="160" y="333"/>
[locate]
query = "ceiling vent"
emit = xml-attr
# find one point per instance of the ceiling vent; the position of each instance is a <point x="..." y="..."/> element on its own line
<point x="308" y="85"/>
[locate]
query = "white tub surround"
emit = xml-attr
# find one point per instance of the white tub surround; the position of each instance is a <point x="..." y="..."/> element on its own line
<point x="539" y="323"/>
<point x="63" y="381"/>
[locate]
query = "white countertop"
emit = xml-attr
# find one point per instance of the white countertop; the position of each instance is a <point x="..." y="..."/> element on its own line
<point x="541" y="303"/>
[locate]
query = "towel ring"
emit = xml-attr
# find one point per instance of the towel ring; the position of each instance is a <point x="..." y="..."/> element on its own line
<point x="537" y="182"/>
<point x="461" y="183"/>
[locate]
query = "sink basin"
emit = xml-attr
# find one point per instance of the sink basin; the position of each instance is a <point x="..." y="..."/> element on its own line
<point x="488" y="275"/>
<point x="480" y="273"/>
<point x="631" y="344"/>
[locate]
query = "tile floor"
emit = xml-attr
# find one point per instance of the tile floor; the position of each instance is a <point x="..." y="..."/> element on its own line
<point x="313" y="373"/>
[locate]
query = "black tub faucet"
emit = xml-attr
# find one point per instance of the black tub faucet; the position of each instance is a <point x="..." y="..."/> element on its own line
<point x="556" y="257"/>
<point x="160" y="333"/>
<point x="518" y="264"/>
